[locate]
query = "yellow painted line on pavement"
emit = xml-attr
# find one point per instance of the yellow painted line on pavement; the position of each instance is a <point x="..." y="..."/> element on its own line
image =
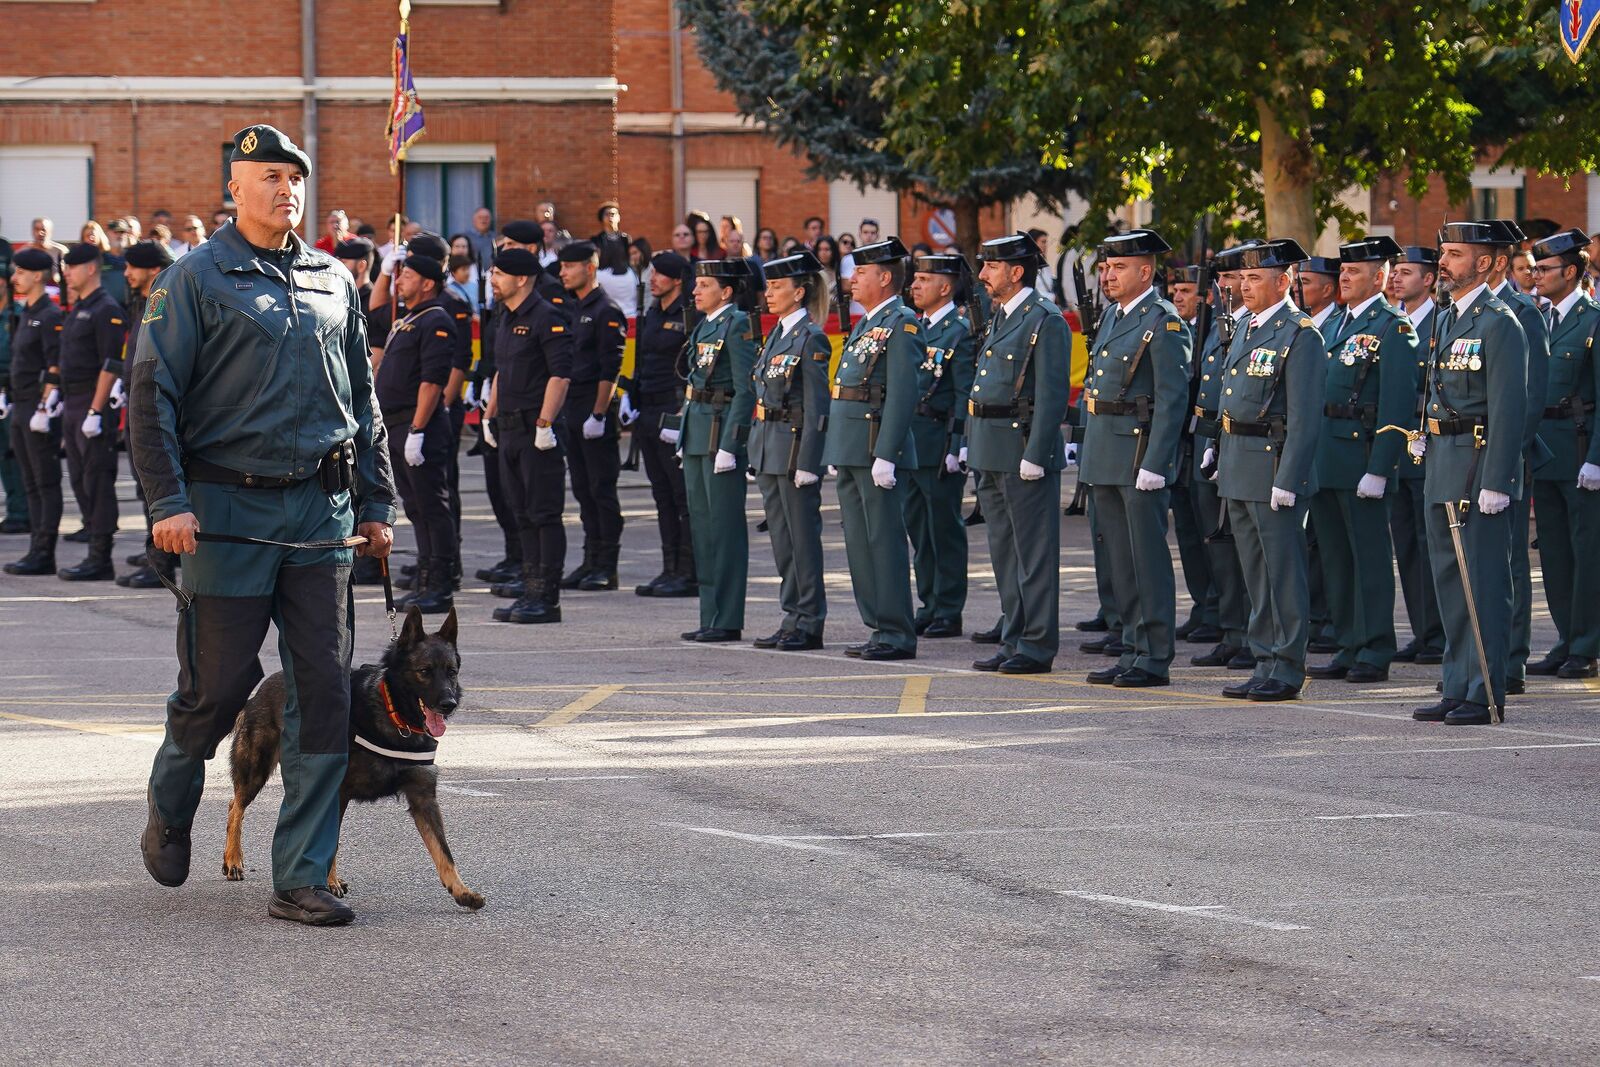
<point x="107" y="728"/>
<point x="593" y="698"/>
<point x="32" y="702"/>
<point x="914" y="698"/>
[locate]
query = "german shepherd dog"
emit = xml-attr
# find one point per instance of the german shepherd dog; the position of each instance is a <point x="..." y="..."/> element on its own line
<point x="402" y="705"/>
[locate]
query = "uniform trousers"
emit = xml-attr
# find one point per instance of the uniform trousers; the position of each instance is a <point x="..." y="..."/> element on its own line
<point x="39" y="456"/>
<point x="1353" y="541"/>
<point x="1233" y="600"/>
<point x="1569" y="556"/>
<point x="794" y="522"/>
<point x="1521" y="586"/>
<point x="661" y="466"/>
<point x="534" y="482"/>
<point x="721" y="540"/>
<point x="878" y="556"/>
<point x="1275" y="559"/>
<point x="1408" y="526"/>
<point x="1197" y="579"/>
<point x="1025" y="548"/>
<point x="91" y="466"/>
<point x="11" y="469"/>
<point x="938" y="540"/>
<point x="1486" y="541"/>
<point x="1133" y="524"/>
<point x="425" y="489"/>
<point x="594" y="467"/>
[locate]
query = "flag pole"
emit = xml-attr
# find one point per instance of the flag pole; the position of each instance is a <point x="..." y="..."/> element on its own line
<point x="400" y="155"/>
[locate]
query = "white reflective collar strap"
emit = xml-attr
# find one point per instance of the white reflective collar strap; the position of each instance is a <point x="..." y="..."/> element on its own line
<point x="416" y="757"/>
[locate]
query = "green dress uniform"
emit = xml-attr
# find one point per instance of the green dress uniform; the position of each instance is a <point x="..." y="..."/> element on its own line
<point x="1233" y="602"/>
<point x="716" y="417"/>
<point x="1408" y="509"/>
<point x="252" y="407"/>
<point x="1018" y="403"/>
<point x="874" y="394"/>
<point x="791" y="394"/>
<point x="1137" y="405"/>
<point x="933" y="492"/>
<point x="1568" y="517"/>
<point x="1371" y="382"/>
<point x="1104" y="589"/>
<point x="1186" y="528"/>
<point x="1476" y="405"/>
<point x="1271" y="422"/>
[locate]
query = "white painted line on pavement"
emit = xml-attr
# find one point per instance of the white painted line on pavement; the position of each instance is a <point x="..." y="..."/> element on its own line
<point x="755" y="839"/>
<point x="446" y="788"/>
<point x="572" y="778"/>
<point x="1003" y="831"/>
<point x="1215" y="912"/>
<point x="1378" y="815"/>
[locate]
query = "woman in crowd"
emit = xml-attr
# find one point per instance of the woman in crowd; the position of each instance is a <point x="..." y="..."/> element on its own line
<point x="766" y="244"/>
<point x="828" y="254"/>
<point x="683" y="240"/>
<point x="705" y="237"/>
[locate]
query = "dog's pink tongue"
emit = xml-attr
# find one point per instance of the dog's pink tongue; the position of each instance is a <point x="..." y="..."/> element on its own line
<point x="433" y="721"/>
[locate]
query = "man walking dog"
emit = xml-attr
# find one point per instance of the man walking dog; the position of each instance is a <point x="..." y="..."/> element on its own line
<point x="252" y="416"/>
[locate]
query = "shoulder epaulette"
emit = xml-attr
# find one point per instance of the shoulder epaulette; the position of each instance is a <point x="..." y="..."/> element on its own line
<point x="1304" y="321"/>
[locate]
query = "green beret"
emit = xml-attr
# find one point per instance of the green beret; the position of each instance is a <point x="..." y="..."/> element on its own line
<point x="267" y="144"/>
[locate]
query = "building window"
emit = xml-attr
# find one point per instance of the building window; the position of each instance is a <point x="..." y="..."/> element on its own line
<point x="1498" y="194"/>
<point x="445" y="184"/>
<point x="227" y="174"/>
<point x="49" y="181"/>
<point x="720" y="192"/>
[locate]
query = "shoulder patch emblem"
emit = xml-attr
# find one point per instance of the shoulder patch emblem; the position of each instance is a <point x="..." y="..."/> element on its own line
<point x="1306" y="322"/>
<point x="910" y="328"/>
<point x="1173" y="327"/>
<point x="154" y="308"/>
<point x="748" y="335"/>
<point x="558" y="329"/>
<point x="1405" y="327"/>
<point x="441" y="333"/>
<point x="116" y="322"/>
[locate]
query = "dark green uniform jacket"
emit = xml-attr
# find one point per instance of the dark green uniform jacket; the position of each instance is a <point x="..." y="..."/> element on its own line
<point x="944" y="380"/>
<point x="1371" y="383"/>
<point x="1137" y="425"/>
<point x="791" y="394"/>
<point x="1009" y="420"/>
<point x="722" y="352"/>
<point x="1273" y="376"/>
<point x="876" y="382"/>
<point x="1465" y="383"/>
<point x="1573" y="384"/>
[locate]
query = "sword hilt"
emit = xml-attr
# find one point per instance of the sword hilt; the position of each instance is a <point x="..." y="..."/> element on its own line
<point x="1411" y="435"/>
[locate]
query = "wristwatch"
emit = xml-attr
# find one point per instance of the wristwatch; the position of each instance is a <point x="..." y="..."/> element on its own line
<point x="543" y="424"/>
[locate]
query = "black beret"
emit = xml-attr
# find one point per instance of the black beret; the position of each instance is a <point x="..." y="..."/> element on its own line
<point x="798" y="265"/>
<point x="1560" y="244"/>
<point x="578" y="252"/>
<point x="353" y="248"/>
<point x="1369" y="250"/>
<point x="426" y="266"/>
<point x="84" y="253"/>
<point x="1134" y="243"/>
<point x="33" y="259"/>
<point x="518" y="261"/>
<point x="148" y="254"/>
<point x="523" y="232"/>
<point x="671" y="264"/>
<point x="267" y="144"/>
<point x="430" y="245"/>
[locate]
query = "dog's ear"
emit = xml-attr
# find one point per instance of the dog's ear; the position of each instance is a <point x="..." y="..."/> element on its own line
<point x="447" y="632"/>
<point x="412" y="633"/>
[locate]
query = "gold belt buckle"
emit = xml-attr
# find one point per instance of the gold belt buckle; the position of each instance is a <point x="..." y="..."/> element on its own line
<point x="1094" y="406"/>
<point x="761" y="413"/>
<point x="972" y="408"/>
<point x="1199" y="412"/>
<point x="1433" y="427"/>
<point x="1227" y="422"/>
<point x="688" y="392"/>
<point x="1477" y="437"/>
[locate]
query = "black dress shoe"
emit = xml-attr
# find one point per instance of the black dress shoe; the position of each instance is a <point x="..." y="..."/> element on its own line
<point x="987" y="637"/>
<point x="855" y="651"/>
<point x="15" y="526"/>
<point x="715" y="635"/>
<point x="1435" y="712"/>
<point x="990" y="664"/>
<point x="649" y="588"/>
<point x="1407" y="654"/>
<point x="1204" y="634"/>
<point x="1219" y="656"/>
<point x="139" y="559"/>
<point x="1327" y="670"/>
<point x="1243" y="660"/>
<point x="885" y="653"/>
<point x="503" y="571"/>
<point x="1365" y="672"/>
<point x="1241" y="690"/>
<point x="165" y="848"/>
<point x="1096" y="625"/>
<point x="1104" y="676"/>
<point x="1466" y="714"/>
<point x="1139" y="678"/>
<point x="1576" y="667"/>
<point x="1020" y="664"/>
<point x="1429" y="656"/>
<point x="1182" y="633"/>
<point x="1516" y="687"/>
<point x="771" y="640"/>
<point x="795" y="641"/>
<point x="943" y="628"/>
<point x="312" y="905"/>
<point x="1322" y="644"/>
<point x="1550" y="666"/>
<point x="692" y="635"/>
<point x="1272" y="690"/>
<point x="77" y="537"/>
<point x="143" y="578"/>
<point x="1114" y="648"/>
<point x="920" y="627"/>
<point x="675" y="587"/>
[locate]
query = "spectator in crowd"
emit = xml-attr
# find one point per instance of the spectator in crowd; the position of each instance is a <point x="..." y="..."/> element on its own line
<point x="814" y="227"/>
<point x="847" y="244"/>
<point x="683" y="240"/>
<point x="44" y="241"/>
<point x="705" y="237"/>
<point x="219" y="217"/>
<point x="481" y="238"/>
<point x="614" y="274"/>
<point x="117" y="233"/>
<point x="549" y="255"/>
<point x="113" y="278"/>
<point x="160" y="217"/>
<point x="766" y="244"/>
<point x="462" y="281"/>
<point x="827" y="252"/>
<point x="461" y="246"/>
<point x="159" y="231"/>
<point x="191" y="236"/>
<point x="869" y="231"/>
<point x="728" y="229"/>
<point x="735" y="245"/>
<point x="1046" y="282"/>
<point x="93" y="234"/>
<point x="544" y="211"/>
<point x="639" y="253"/>
<point x="389" y="245"/>
<point x="790" y="246"/>
<point x="335" y="228"/>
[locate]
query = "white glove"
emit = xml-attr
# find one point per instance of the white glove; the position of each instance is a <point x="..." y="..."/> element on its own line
<point x="1371" y="486"/>
<point x="594" y="428"/>
<point x="668" y="436"/>
<point x="962" y="455"/>
<point x="833" y="472"/>
<point x="1147" y="482"/>
<point x="952" y="464"/>
<point x="40" y="422"/>
<point x="118" y="396"/>
<point x="725" y="462"/>
<point x="629" y="414"/>
<point x="1417" y="446"/>
<point x="883" y="474"/>
<point x="53" y="407"/>
<point x="486" y="432"/>
<point x="1282" y="498"/>
<point x="1072" y="455"/>
<point x="5" y="405"/>
<point x="1031" y="472"/>
<point x="544" y="438"/>
<point x="393" y="263"/>
<point x="1589" y="476"/>
<point x="805" y="478"/>
<point x="91" y="424"/>
<point x="1208" y="459"/>
<point x="1491" y="502"/>
<point x="414" y="449"/>
<point x="471" y="395"/>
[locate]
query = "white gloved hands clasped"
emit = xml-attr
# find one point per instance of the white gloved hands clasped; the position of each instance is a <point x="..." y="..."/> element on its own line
<point x="883" y="474"/>
<point x="39" y="422"/>
<point x="5" y="405"/>
<point x="1281" y="499"/>
<point x="805" y="478"/>
<point x="1148" y="481"/>
<point x="414" y="448"/>
<point x="1031" y="472"/>
<point x="92" y="425"/>
<point x="53" y="407"/>
<point x="1209" y="459"/>
<point x="594" y="428"/>
<point x="668" y="435"/>
<point x="725" y="462"/>
<point x="629" y="414"/>
<point x="470" y="397"/>
<point x="1491" y="502"/>
<point x="1589" y="476"/>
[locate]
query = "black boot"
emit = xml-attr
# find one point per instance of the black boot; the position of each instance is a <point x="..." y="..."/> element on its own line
<point x="511" y="589"/>
<point x="96" y="566"/>
<point x="668" y="559"/>
<point x="434" y="587"/>
<point x="530" y="585"/>
<point x="143" y="578"/>
<point x="41" y="557"/>
<point x="508" y="568"/>
<point x="576" y="576"/>
<point x="543" y="606"/>
<point x="603" y="576"/>
<point x="418" y="584"/>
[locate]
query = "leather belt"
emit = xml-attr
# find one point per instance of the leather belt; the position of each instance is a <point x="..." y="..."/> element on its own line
<point x="1465" y="424"/>
<point x="79" y="388"/>
<point x="991" y="411"/>
<point x="1240" y="428"/>
<point x="1350" y="411"/>
<point x="198" y="470"/>
<point x="857" y="393"/>
<point x="707" y="396"/>
<point x="1110" y="407"/>
<point x="1567" y="409"/>
<point x="766" y="414"/>
<point x="928" y="411"/>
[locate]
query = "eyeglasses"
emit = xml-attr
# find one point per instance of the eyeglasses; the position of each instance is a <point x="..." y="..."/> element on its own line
<point x="681" y="233"/>
<point x="1536" y="271"/>
<point x="189" y="229"/>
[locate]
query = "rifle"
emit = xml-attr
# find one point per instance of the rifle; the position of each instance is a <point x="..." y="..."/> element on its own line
<point x="842" y="300"/>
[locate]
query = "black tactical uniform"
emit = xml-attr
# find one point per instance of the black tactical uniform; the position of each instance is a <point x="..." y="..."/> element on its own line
<point x="35" y="348"/>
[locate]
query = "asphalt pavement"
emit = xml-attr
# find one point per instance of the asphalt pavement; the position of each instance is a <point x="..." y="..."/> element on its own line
<point x="713" y="854"/>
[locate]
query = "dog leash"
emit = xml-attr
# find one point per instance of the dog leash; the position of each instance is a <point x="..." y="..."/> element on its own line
<point x="185" y="601"/>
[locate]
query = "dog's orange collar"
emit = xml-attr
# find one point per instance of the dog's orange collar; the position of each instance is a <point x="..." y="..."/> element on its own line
<point x="405" y="728"/>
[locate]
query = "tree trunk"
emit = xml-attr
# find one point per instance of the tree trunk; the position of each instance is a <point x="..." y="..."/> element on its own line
<point x="1288" y="176"/>
<point x="968" y="235"/>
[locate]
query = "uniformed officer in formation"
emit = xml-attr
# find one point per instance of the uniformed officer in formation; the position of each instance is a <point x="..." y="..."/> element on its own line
<point x="1566" y="489"/>
<point x="533" y="366"/>
<point x="418" y="359"/>
<point x="660" y="367"/>
<point x="599" y="333"/>
<point x="869" y="442"/>
<point x="1201" y="626"/>
<point x="719" y="404"/>
<point x="1233" y="604"/>
<point x="1138" y="400"/>
<point x="1476" y="412"/>
<point x="1271" y="411"/>
<point x="1411" y="284"/>
<point x="252" y="414"/>
<point x="35" y="425"/>
<point x="791" y="411"/>
<point x="936" y="485"/>
<point x="1371" y="383"/>
<point x="144" y="260"/>
<point x="1317" y="288"/>
<point x="92" y="337"/>
<point x="1018" y="402"/>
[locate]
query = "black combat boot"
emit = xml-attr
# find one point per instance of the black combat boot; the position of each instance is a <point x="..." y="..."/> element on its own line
<point x="575" y="577"/>
<point x="96" y="566"/>
<point x="530" y="585"/>
<point x="418" y="584"/>
<point x="543" y="606"/>
<point x="508" y="568"/>
<point x="603" y="577"/>
<point x="668" y="560"/>
<point x="435" y="587"/>
<point x="41" y="557"/>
